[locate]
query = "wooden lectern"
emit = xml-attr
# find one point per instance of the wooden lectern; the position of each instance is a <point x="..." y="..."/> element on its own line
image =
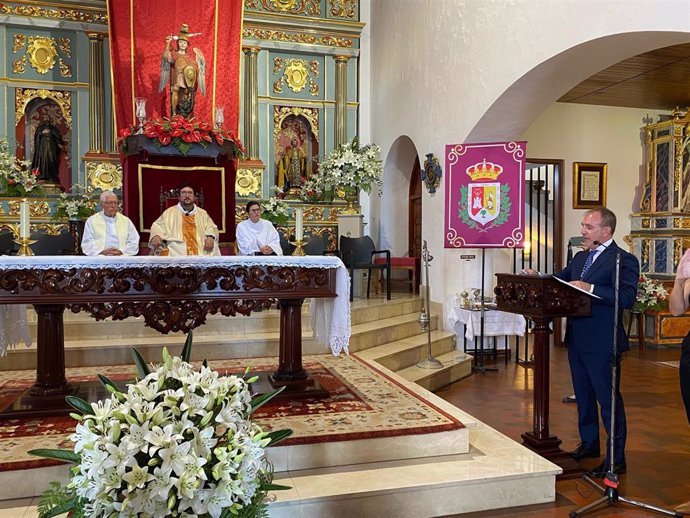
<point x="542" y="298"/>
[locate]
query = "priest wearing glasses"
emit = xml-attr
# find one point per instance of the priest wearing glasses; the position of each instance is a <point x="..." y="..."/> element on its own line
<point x="184" y="229"/>
<point x="108" y="232"/>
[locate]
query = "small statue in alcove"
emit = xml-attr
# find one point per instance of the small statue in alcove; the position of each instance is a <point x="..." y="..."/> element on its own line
<point x="48" y="146"/>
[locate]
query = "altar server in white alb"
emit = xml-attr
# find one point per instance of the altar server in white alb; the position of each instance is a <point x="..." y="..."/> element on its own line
<point x="108" y="232"/>
<point x="184" y="229"/>
<point x="256" y="236"/>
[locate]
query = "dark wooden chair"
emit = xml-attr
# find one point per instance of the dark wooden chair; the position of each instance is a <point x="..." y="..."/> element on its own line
<point x="61" y="244"/>
<point x="358" y="253"/>
<point x="7" y="245"/>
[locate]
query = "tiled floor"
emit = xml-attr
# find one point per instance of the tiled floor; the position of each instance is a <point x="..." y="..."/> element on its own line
<point x="658" y="449"/>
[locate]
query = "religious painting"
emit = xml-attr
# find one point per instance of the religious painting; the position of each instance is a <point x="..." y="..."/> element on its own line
<point x="296" y="148"/>
<point x="589" y="185"/>
<point x="484" y="195"/>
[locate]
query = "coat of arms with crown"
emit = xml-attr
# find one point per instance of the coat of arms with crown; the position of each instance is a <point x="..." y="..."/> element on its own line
<point x="482" y="202"/>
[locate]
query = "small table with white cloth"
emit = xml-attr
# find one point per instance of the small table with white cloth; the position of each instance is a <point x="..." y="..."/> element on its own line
<point x="467" y="323"/>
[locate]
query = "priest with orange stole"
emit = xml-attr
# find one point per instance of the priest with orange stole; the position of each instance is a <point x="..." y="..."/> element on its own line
<point x="184" y="229"/>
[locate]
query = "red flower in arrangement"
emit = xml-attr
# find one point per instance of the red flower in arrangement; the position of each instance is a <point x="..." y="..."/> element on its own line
<point x="183" y="134"/>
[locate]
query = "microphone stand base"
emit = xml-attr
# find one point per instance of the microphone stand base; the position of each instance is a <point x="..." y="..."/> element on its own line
<point x="430" y="363"/>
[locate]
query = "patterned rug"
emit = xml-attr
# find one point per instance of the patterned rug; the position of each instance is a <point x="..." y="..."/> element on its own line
<point x="364" y="403"/>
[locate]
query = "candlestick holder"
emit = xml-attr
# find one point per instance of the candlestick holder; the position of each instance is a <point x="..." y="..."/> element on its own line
<point x="299" y="251"/>
<point x="25" y="246"/>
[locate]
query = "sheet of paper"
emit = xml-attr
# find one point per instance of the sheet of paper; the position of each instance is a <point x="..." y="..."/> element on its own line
<point x="576" y="288"/>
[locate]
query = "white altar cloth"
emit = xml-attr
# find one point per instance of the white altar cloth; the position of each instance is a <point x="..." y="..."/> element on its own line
<point x="330" y="317"/>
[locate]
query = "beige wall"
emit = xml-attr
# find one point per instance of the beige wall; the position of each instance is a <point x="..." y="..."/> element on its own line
<point x="585" y="133"/>
<point x="450" y="71"/>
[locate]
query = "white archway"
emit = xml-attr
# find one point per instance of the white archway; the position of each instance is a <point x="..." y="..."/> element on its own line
<point x="397" y="173"/>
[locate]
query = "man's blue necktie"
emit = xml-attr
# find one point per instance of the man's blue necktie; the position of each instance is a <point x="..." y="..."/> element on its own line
<point x="588" y="262"/>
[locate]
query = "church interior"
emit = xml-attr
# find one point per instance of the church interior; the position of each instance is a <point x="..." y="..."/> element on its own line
<point x="432" y="398"/>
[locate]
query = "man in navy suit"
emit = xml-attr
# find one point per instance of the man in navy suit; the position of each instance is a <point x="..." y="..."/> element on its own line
<point x="590" y="339"/>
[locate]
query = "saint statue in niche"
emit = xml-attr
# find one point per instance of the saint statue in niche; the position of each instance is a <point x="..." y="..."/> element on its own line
<point x="188" y="73"/>
<point x="48" y="145"/>
<point x="292" y="166"/>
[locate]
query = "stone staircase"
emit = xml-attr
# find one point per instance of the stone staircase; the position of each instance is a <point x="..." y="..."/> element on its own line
<point x="383" y="331"/>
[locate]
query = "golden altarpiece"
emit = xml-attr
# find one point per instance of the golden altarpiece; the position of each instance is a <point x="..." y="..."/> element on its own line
<point x="299" y="90"/>
<point x="660" y="231"/>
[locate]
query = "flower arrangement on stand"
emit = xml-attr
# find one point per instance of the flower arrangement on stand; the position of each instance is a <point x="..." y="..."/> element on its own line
<point x="75" y="206"/>
<point x="182" y="134"/>
<point x="275" y="210"/>
<point x="16" y="178"/>
<point x="178" y="442"/>
<point x="350" y="166"/>
<point x="651" y="295"/>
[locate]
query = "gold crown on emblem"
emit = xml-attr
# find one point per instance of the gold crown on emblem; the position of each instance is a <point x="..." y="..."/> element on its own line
<point x="484" y="170"/>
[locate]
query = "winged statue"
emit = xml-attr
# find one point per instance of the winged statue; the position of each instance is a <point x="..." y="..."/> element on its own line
<point x="184" y="72"/>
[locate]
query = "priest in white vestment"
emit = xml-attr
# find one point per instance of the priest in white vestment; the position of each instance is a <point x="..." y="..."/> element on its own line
<point x="184" y="229"/>
<point x="108" y="232"/>
<point x="256" y="236"/>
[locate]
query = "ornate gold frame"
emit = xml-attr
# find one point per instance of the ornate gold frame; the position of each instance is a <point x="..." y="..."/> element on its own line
<point x="589" y="185"/>
<point x="23" y="96"/>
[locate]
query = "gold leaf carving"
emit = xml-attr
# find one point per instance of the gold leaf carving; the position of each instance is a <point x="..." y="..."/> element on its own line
<point x="296" y="37"/>
<point x="248" y="182"/>
<point x="42" y="53"/>
<point x="65" y="69"/>
<point x="23" y="96"/>
<point x="19" y="65"/>
<point x="65" y="46"/>
<point x="278" y="86"/>
<point x="19" y="42"/>
<point x="343" y="8"/>
<point x="277" y="65"/>
<point x="313" y="88"/>
<point x="314" y="67"/>
<point x="281" y="112"/>
<point x="105" y="176"/>
<point x="296" y="74"/>
<point x="73" y="15"/>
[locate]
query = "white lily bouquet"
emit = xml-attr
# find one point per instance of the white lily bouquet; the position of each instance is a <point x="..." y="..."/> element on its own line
<point x="651" y="295"/>
<point x="178" y="442"/>
<point x="76" y="205"/>
<point x="350" y="166"/>
<point x="275" y="210"/>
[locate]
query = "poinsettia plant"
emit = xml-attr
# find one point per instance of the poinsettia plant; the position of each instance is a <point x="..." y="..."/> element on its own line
<point x="178" y="442"/>
<point x="183" y="134"/>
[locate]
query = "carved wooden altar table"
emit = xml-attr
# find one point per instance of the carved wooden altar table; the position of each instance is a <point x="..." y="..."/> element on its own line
<point x="173" y="294"/>
<point x="542" y="298"/>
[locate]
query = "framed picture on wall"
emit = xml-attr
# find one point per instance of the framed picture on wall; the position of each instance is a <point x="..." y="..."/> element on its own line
<point x="589" y="185"/>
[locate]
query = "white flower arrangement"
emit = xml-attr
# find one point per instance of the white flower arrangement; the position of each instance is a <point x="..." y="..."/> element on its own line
<point x="651" y="295"/>
<point x="178" y="442"/>
<point x="16" y="178"/>
<point x="275" y="210"/>
<point x="74" y="206"/>
<point x="350" y="166"/>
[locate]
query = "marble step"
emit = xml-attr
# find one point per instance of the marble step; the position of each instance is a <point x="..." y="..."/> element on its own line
<point x="408" y="351"/>
<point x="81" y="326"/>
<point x="246" y="342"/>
<point x="456" y="366"/>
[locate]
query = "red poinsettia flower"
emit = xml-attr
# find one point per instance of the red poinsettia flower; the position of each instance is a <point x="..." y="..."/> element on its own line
<point x="177" y="132"/>
<point x="164" y="139"/>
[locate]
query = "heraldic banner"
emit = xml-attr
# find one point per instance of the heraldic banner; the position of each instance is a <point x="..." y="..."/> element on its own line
<point x="211" y="67"/>
<point x="484" y="195"/>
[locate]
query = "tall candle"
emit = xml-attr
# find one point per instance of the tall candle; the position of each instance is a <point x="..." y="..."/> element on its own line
<point x="24" y="219"/>
<point x="298" y="224"/>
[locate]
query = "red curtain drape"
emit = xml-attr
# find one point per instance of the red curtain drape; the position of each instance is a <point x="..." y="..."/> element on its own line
<point x="137" y="39"/>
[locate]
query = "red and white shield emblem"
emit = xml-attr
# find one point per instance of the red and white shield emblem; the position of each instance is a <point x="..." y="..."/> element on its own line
<point x="484" y="203"/>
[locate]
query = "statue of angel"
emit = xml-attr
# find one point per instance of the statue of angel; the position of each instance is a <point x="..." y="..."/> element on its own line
<point x="189" y="73"/>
